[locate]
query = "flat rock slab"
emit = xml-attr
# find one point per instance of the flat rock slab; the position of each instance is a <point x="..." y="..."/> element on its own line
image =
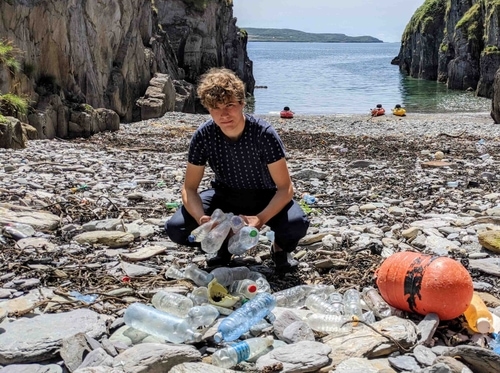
<point x="31" y="340"/>
<point x="435" y="164"/>
<point x="31" y="368"/>
<point x="198" y="368"/>
<point x="112" y="239"/>
<point x="39" y="220"/>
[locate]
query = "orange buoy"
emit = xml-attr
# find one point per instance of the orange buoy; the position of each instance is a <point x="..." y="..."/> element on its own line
<point x="425" y="284"/>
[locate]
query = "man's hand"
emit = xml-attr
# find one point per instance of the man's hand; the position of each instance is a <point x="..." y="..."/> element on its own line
<point x="253" y="221"/>
<point x="203" y="219"/>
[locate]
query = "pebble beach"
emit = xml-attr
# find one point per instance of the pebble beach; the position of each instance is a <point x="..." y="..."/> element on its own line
<point x="427" y="183"/>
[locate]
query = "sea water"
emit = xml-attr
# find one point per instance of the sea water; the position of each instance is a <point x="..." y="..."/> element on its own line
<point x="345" y="78"/>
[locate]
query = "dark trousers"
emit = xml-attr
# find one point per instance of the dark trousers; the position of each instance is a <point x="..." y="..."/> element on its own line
<point x="289" y="225"/>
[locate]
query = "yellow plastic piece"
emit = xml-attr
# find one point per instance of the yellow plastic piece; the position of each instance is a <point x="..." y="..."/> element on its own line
<point x="219" y="296"/>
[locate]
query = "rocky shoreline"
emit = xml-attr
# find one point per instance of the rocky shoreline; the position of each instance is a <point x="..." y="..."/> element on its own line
<point x="97" y="206"/>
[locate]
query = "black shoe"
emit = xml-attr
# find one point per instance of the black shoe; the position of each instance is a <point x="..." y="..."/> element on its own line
<point x="223" y="258"/>
<point x="283" y="261"/>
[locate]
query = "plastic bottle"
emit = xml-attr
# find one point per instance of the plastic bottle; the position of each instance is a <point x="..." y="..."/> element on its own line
<point x="352" y="304"/>
<point x="376" y="303"/>
<point x="18" y="231"/>
<point x="197" y="275"/>
<point x="244" y="288"/>
<point x="317" y="304"/>
<point x="200" y="233"/>
<point x="229" y="356"/>
<point x="160" y="324"/>
<point x="214" y="239"/>
<point x="204" y="316"/>
<point x="260" y="280"/>
<point x="199" y="296"/>
<point x="243" y="240"/>
<point x="307" y="198"/>
<point x="296" y="296"/>
<point x="237" y="223"/>
<point x="481" y="146"/>
<point x="226" y="275"/>
<point x="337" y="301"/>
<point x="329" y="323"/>
<point x="173" y="303"/>
<point x="241" y="320"/>
<point x="174" y="272"/>
<point x="478" y="316"/>
<point x="495" y="343"/>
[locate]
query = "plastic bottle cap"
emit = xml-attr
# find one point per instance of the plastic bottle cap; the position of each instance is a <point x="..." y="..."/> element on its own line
<point x="252" y="288"/>
<point x="253" y="233"/>
<point x="483" y="325"/>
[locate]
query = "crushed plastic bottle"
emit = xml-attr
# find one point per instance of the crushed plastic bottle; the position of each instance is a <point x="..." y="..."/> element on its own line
<point x="226" y="275"/>
<point x="309" y="199"/>
<point x="297" y="295"/>
<point x="160" y="324"/>
<point x="317" y="304"/>
<point x="200" y="233"/>
<point x="337" y="301"/>
<point x="230" y="356"/>
<point x="375" y="302"/>
<point x="495" y="343"/>
<point x="88" y="299"/>
<point x="481" y="146"/>
<point x="241" y="320"/>
<point x="329" y="323"/>
<point x="197" y="275"/>
<point x="245" y="239"/>
<point x="237" y="223"/>
<point x="261" y="281"/>
<point x="244" y="288"/>
<point x="174" y="272"/>
<point x="199" y="296"/>
<point x="352" y="304"/>
<point x="127" y="184"/>
<point x="202" y="316"/>
<point x="173" y="303"/>
<point x="214" y="239"/>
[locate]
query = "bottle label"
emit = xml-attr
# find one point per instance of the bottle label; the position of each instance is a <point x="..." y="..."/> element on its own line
<point x="242" y="350"/>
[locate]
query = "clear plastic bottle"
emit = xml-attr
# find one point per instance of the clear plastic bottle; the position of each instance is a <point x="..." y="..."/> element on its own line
<point x="201" y="232"/>
<point x="199" y="296"/>
<point x="478" y="315"/>
<point x="337" y="301"/>
<point x="376" y="303"/>
<point x="197" y="275"/>
<point x="174" y="272"/>
<point x="244" y="288"/>
<point x="226" y="275"/>
<point x="292" y="297"/>
<point x="237" y="223"/>
<point x="243" y="240"/>
<point x="173" y="303"/>
<point x="352" y="304"/>
<point x="160" y="324"/>
<point x="229" y="356"/>
<point x="317" y="304"/>
<point x="329" y="323"/>
<point x="214" y="239"/>
<point x="199" y="316"/>
<point x="261" y="281"/>
<point x="241" y="320"/>
<point x="495" y="343"/>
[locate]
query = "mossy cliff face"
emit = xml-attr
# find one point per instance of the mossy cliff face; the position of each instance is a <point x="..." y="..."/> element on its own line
<point x="454" y="41"/>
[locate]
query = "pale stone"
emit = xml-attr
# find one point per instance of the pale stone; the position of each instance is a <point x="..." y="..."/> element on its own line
<point x="144" y="253"/>
<point x="113" y="239"/>
<point x="490" y="240"/>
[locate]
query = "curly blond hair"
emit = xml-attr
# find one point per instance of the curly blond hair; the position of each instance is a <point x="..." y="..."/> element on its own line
<point x="220" y="86"/>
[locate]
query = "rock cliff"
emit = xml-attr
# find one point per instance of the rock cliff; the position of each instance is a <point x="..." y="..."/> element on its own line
<point x="77" y="56"/>
<point x="454" y="41"/>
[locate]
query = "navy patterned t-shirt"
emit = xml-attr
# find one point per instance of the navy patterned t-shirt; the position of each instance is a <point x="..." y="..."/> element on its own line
<point x="240" y="164"/>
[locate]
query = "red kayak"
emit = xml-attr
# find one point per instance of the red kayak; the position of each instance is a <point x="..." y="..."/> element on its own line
<point x="378" y="112"/>
<point x="286" y="114"/>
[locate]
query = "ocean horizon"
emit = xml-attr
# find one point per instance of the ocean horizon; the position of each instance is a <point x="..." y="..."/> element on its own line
<point x="344" y="78"/>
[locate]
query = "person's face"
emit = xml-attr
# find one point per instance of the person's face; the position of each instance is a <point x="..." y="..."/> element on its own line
<point x="229" y="117"/>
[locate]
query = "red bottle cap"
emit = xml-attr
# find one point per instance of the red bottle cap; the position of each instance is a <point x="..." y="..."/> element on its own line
<point x="252" y="288"/>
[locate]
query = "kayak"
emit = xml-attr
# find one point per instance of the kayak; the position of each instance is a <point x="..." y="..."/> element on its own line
<point x="378" y="111"/>
<point x="400" y="112"/>
<point x="286" y="114"/>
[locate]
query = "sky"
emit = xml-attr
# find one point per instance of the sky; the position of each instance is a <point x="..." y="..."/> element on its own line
<point x="383" y="19"/>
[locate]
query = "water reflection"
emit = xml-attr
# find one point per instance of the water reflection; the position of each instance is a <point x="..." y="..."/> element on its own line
<point x="425" y="96"/>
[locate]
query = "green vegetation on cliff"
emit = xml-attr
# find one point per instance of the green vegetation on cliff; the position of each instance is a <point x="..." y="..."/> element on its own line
<point x="8" y="54"/>
<point x="471" y="22"/>
<point x="424" y="17"/>
<point x="280" y="35"/>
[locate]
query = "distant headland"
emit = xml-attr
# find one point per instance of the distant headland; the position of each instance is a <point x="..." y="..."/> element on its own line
<point x="284" y="34"/>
